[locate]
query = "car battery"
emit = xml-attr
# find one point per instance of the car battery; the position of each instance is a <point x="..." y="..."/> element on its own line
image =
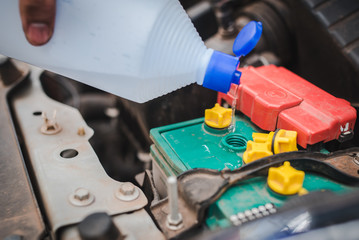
<point x="192" y="144"/>
<point x="269" y="98"/>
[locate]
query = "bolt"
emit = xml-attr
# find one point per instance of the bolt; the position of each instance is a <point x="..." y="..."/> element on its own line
<point x="127" y="189"/>
<point x="127" y="192"/>
<point x="81" y="197"/>
<point x="82" y="194"/>
<point x="174" y="218"/>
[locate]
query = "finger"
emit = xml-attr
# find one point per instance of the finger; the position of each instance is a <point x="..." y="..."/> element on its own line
<point x="38" y="20"/>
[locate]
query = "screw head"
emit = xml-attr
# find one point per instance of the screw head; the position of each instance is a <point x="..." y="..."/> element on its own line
<point x="82" y="194"/>
<point x="127" y="189"/>
<point x="127" y="192"/>
<point x="81" y="197"/>
<point x="174" y="224"/>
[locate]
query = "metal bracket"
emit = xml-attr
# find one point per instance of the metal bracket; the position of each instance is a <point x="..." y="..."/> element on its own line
<point x="65" y="162"/>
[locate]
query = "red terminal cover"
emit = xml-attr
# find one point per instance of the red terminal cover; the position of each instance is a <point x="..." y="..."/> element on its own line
<point x="275" y="98"/>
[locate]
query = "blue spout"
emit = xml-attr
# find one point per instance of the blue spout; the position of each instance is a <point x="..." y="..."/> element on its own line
<point x="222" y="69"/>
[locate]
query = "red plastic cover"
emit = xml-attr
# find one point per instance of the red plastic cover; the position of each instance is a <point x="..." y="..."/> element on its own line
<point x="275" y="98"/>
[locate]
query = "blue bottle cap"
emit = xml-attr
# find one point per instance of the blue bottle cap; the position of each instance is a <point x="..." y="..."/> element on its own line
<point x="222" y="69"/>
<point x="247" y="38"/>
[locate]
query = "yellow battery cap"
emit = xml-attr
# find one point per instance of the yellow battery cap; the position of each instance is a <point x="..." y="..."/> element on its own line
<point x="256" y="151"/>
<point x="218" y="117"/>
<point x="285" y="179"/>
<point x="285" y="141"/>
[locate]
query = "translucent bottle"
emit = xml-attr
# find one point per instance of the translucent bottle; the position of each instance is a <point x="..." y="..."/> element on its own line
<point x="138" y="49"/>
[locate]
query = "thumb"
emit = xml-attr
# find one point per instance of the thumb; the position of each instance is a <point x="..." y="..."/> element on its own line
<point x="38" y="20"/>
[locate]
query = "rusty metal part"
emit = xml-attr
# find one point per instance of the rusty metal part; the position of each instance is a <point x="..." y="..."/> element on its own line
<point x="81" y="131"/>
<point x="65" y="161"/>
<point x="348" y="163"/>
<point x="19" y="211"/>
<point x="135" y="225"/>
<point x="201" y="187"/>
<point x="160" y="212"/>
<point x="195" y="186"/>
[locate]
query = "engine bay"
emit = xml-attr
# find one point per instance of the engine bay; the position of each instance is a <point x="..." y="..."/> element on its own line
<point x="276" y="157"/>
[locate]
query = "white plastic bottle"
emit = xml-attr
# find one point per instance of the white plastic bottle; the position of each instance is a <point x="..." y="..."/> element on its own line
<point x="136" y="49"/>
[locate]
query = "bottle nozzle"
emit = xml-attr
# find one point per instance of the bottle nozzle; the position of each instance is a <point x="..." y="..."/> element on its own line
<point x="222" y="69"/>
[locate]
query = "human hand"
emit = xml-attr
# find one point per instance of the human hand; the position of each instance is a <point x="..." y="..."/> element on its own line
<point x="38" y="20"/>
